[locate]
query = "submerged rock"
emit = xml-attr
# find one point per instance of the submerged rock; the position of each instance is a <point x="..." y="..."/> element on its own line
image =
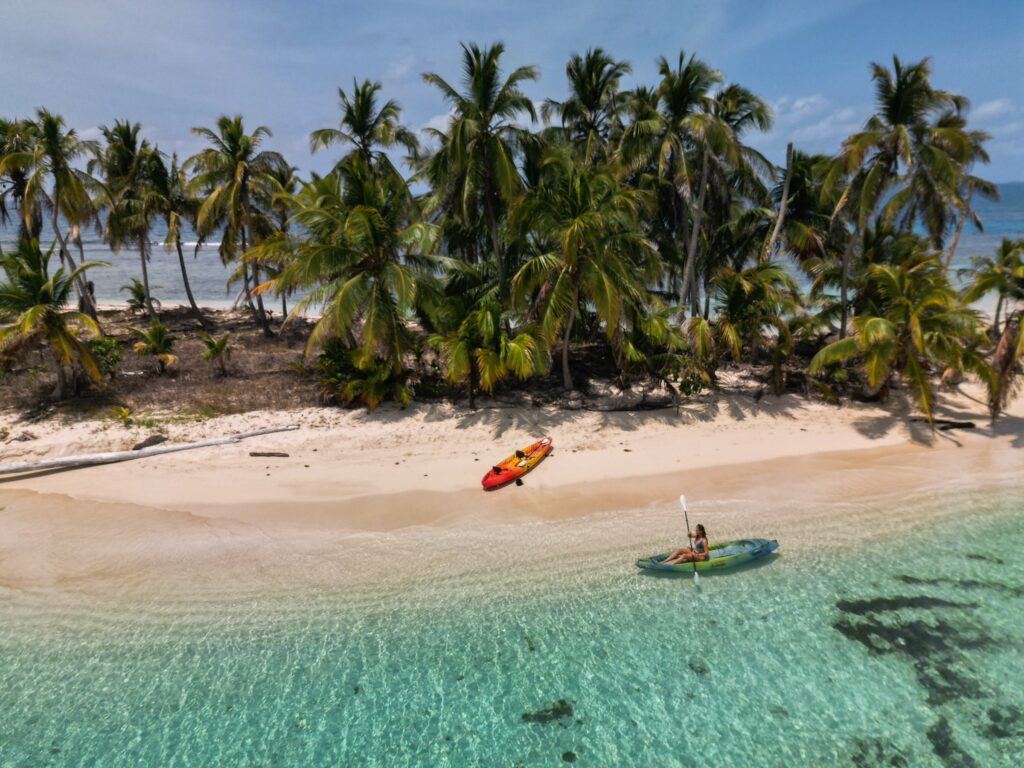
<point x="935" y="646"/>
<point x="946" y="748"/>
<point x="966" y="584"/>
<point x="1004" y="722"/>
<point x="886" y="604"/>
<point x="985" y="558"/>
<point x="699" y="665"/>
<point x="872" y="753"/>
<point x="569" y="757"/>
<point x="556" y="710"/>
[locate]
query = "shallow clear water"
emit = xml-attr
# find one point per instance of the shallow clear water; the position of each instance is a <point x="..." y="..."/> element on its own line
<point x="906" y="652"/>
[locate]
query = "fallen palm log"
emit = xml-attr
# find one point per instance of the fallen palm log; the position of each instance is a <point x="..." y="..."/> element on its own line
<point x="89" y="459"/>
<point x="945" y="425"/>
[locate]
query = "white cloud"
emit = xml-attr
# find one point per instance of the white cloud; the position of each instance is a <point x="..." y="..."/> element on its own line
<point x="835" y="125"/>
<point x="994" y="108"/>
<point x="437" y="122"/>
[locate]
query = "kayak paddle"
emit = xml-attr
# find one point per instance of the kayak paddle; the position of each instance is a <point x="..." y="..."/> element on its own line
<point x="686" y="517"/>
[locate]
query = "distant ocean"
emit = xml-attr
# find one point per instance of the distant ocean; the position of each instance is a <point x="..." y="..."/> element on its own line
<point x="209" y="276"/>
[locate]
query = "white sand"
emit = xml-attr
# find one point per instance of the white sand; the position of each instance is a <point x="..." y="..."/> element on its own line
<point x="357" y="483"/>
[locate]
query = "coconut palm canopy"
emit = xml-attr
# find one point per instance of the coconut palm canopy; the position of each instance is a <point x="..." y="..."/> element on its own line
<point x="639" y="221"/>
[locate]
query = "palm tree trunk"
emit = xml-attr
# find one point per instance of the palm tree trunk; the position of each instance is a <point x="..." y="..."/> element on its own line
<point x="691" y="250"/>
<point x="995" y="320"/>
<point x="684" y="238"/>
<point x="782" y="204"/>
<point x="65" y="255"/>
<point x="259" y="311"/>
<point x="184" y="278"/>
<point x="843" y="280"/>
<point x="60" y="388"/>
<point x="144" y="257"/>
<point x="492" y="228"/>
<point x="566" y="375"/>
<point x="959" y="227"/>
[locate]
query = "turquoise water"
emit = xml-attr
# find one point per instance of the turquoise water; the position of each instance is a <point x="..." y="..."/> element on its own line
<point x="905" y="652"/>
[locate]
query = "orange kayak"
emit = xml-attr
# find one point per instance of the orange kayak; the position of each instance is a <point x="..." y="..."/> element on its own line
<point x="516" y="465"/>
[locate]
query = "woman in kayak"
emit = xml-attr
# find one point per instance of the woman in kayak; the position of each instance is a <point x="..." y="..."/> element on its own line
<point x="699" y="551"/>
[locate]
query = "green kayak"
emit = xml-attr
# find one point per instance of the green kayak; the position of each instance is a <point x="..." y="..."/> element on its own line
<point x="724" y="554"/>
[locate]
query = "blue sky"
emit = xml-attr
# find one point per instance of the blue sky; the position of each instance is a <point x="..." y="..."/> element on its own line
<point x="174" y="65"/>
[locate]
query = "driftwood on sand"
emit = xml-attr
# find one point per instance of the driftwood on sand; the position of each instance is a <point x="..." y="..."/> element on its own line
<point x="88" y="459"/>
<point x="944" y="425"/>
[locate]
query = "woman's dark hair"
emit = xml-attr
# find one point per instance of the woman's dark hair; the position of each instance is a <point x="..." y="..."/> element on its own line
<point x="701" y="531"/>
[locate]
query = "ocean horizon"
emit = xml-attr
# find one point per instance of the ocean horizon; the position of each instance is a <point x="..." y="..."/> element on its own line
<point x="209" y="276"/>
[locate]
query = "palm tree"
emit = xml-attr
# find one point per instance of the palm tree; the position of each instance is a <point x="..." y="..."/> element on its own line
<point x="1002" y="274"/>
<point x="236" y="177"/>
<point x="178" y="207"/>
<point x="475" y="165"/>
<point x="917" y="143"/>
<point x="362" y="255"/>
<point x="37" y="301"/>
<point x="131" y="169"/>
<point x="585" y="222"/>
<point x="914" y="325"/>
<point x="595" y="105"/>
<point x="48" y="159"/>
<point x="369" y="129"/>
<point x="157" y="342"/>
<point x="471" y="337"/>
<point x="217" y="350"/>
<point x="677" y="139"/>
<point x="17" y="137"/>
<point x="751" y="305"/>
<point x="138" y="297"/>
<point x="896" y="136"/>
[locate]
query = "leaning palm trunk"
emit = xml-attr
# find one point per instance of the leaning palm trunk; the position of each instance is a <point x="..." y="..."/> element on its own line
<point x="65" y="255"/>
<point x="188" y="287"/>
<point x="782" y="204"/>
<point x="144" y="257"/>
<point x="691" y="250"/>
<point x="959" y="227"/>
<point x="1005" y="359"/>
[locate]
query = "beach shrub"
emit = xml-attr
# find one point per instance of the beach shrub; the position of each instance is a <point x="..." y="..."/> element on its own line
<point x="344" y="377"/>
<point x="107" y="353"/>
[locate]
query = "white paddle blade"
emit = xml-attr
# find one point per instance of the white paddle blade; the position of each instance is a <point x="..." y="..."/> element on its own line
<point x="682" y="502"/>
<point x="696" y="579"/>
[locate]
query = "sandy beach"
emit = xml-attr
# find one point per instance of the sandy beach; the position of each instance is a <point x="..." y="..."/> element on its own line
<point x="356" y="486"/>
